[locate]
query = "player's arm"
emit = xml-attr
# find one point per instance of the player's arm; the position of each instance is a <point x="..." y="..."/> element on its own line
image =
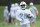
<point x="36" y="12"/>
<point x="17" y="16"/>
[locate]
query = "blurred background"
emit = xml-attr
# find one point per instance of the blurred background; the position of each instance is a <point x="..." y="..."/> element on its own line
<point x="4" y="3"/>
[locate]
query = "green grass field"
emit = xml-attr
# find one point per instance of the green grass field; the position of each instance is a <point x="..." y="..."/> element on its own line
<point x="37" y="24"/>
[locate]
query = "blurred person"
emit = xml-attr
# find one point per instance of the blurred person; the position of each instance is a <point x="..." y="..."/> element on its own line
<point x="17" y="7"/>
<point x="34" y="11"/>
<point x="6" y="16"/>
<point x="14" y="8"/>
<point x="23" y="15"/>
<point x="12" y="13"/>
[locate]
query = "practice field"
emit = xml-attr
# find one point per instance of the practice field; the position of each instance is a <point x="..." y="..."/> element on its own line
<point x="37" y="23"/>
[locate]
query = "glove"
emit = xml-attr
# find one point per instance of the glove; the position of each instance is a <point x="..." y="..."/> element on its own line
<point x="37" y="14"/>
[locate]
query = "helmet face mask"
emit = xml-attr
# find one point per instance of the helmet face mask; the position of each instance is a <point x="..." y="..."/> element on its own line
<point x="22" y="6"/>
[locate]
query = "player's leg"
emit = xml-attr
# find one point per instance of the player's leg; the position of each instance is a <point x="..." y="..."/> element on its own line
<point x="16" y="22"/>
<point x="11" y="18"/>
<point x="7" y="20"/>
<point x="28" y="25"/>
<point x="33" y="22"/>
<point x="4" y="21"/>
<point x="23" y="25"/>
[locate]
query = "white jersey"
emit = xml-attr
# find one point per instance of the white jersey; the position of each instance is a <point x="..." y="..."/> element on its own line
<point x="33" y="10"/>
<point x="17" y="8"/>
<point x="21" y="16"/>
<point x="6" y="13"/>
<point x="13" y="10"/>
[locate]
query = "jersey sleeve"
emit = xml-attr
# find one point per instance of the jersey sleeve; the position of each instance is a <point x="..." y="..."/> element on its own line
<point x="36" y="10"/>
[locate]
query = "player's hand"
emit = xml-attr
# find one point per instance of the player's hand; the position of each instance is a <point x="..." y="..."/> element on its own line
<point x="36" y="14"/>
<point x="29" y="16"/>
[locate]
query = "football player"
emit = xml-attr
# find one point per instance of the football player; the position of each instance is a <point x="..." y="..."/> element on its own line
<point x="17" y="7"/>
<point x="34" y="11"/>
<point x="12" y="12"/>
<point x="6" y="16"/>
<point x="24" y="15"/>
